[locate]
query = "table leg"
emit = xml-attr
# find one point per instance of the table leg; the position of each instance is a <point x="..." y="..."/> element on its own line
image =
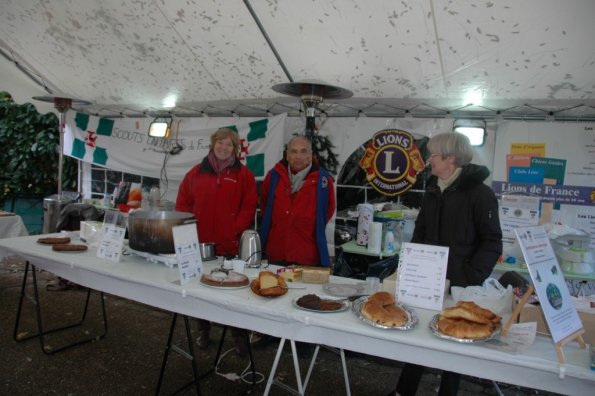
<point x="39" y="318"/>
<point x="274" y="368"/>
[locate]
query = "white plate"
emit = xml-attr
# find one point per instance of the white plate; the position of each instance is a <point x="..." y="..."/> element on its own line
<point x="342" y="290"/>
<point x="344" y="305"/>
<point x="226" y="287"/>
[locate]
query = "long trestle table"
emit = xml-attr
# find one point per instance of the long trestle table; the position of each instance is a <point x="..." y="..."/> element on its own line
<point x="155" y="284"/>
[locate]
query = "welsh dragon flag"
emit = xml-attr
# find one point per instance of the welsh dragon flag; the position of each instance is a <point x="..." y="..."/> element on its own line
<point x="124" y="144"/>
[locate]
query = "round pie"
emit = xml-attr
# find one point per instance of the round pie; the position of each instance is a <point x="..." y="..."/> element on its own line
<point x="221" y="279"/>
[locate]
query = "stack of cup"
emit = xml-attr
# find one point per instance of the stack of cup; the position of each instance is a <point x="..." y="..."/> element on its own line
<point x="366" y="216"/>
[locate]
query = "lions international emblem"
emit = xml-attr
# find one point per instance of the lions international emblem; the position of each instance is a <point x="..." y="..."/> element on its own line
<point x="392" y="162"/>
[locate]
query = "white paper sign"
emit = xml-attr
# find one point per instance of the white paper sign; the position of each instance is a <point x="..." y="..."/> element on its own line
<point x="187" y="252"/>
<point x="114" y="230"/>
<point x="421" y="275"/>
<point x="557" y="305"/>
<point x="110" y="247"/>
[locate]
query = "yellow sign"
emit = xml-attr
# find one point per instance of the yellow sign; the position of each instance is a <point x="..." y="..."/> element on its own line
<point x="535" y="149"/>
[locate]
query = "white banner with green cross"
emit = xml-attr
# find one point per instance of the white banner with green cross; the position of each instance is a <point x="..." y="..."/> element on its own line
<point x="124" y="144"/>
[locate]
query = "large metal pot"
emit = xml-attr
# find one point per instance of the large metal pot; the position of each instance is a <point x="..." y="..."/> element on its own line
<point x="150" y="231"/>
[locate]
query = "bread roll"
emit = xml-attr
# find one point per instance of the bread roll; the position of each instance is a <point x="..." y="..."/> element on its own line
<point x="472" y="312"/>
<point x="389" y="315"/>
<point x="384" y="298"/>
<point x="486" y="313"/>
<point x="464" y="329"/>
<point x="372" y="310"/>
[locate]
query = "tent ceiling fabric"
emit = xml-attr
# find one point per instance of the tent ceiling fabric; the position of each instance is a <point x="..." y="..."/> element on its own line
<point x="523" y="58"/>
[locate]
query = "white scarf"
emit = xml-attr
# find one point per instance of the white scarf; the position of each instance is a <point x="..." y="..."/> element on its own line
<point x="447" y="182"/>
<point x="297" y="180"/>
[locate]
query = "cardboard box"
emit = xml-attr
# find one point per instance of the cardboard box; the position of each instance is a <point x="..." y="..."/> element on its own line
<point x="316" y="275"/>
<point x="533" y="313"/>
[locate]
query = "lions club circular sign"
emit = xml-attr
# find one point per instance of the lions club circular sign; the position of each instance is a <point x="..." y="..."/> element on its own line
<point x="392" y="161"/>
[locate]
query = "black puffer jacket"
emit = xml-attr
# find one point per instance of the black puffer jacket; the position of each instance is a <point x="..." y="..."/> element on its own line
<point x="463" y="217"/>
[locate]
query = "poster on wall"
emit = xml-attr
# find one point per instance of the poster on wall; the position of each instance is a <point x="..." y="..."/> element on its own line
<point x="553" y="162"/>
<point x="558" y="307"/>
<point x="392" y="161"/>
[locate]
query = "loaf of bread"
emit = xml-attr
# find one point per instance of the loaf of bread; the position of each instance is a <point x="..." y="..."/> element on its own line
<point x="267" y="279"/>
<point x="53" y="240"/>
<point x="381" y="308"/>
<point x="67" y="247"/>
<point x="269" y="285"/>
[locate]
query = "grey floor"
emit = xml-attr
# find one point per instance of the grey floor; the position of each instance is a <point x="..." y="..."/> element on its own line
<point x="127" y="360"/>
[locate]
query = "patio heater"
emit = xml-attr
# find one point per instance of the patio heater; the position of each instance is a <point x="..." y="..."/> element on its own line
<point x="53" y="205"/>
<point x="61" y="104"/>
<point x="312" y="93"/>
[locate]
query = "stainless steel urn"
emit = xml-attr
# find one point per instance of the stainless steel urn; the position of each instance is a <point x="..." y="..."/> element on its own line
<point x="250" y="250"/>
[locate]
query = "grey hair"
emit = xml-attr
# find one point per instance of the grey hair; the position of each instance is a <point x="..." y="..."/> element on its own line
<point x="299" y="137"/>
<point x="452" y="143"/>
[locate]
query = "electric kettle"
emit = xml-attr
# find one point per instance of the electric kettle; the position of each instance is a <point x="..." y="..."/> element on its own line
<point x="250" y="250"/>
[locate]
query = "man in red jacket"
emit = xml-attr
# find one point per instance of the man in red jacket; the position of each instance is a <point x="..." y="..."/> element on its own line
<point x="298" y="200"/>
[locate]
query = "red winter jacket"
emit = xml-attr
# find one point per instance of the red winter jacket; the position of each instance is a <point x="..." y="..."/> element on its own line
<point x="224" y="205"/>
<point x="292" y="237"/>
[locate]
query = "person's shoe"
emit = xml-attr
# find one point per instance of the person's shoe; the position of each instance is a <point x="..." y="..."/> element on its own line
<point x="203" y="339"/>
<point x="241" y="346"/>
<point x="60" y="285"/>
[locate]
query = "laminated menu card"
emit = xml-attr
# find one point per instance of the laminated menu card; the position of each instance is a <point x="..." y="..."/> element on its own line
<point x="555" y="300"/>
<point x="421" y="275"/>
<point x="112" y="240"/>
<point x="187" y="252"/>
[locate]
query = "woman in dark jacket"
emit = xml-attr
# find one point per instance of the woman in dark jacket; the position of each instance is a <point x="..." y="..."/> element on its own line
<point x="458" y="211"/>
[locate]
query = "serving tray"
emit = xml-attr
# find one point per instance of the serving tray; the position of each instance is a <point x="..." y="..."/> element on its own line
<point x="438" y="333"/>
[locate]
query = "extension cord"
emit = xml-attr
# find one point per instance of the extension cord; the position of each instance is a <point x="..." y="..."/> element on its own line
<point x="231" y="376"/>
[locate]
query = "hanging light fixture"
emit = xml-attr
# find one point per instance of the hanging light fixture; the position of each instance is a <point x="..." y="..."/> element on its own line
<point x="312" y="93"/>
<point x="160" y="127"/>
<point x="62" y="104"/>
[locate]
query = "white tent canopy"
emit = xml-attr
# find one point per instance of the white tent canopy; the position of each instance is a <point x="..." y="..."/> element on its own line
<point x="429" y="57"/>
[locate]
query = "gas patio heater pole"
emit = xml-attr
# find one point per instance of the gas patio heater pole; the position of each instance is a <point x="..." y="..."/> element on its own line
<point x="312" y="93"/>
<point x="61" y="104"/>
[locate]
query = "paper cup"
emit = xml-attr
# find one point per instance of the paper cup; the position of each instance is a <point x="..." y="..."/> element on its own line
<point x="228" y="264"/>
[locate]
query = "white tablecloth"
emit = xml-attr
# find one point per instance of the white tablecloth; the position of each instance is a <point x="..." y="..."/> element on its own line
<point x="157" y="285"/>
<point x="12" y="226"/>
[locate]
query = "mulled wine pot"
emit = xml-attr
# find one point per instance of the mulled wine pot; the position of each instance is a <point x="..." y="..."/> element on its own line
<point x="250" y="249"/>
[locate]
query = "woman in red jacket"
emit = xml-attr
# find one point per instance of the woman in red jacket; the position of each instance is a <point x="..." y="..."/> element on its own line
<point x="221" y="192"/>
